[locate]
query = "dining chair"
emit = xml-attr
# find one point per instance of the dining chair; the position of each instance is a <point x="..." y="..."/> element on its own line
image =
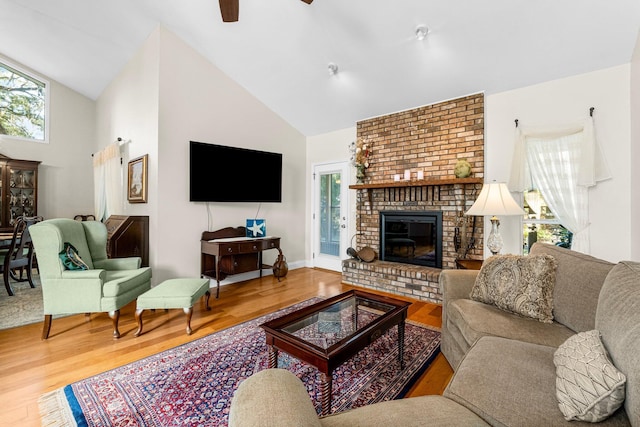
<point x="20" y="254"/>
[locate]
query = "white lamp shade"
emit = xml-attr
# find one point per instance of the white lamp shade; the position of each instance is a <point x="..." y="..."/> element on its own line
<point x="496" y="200"/>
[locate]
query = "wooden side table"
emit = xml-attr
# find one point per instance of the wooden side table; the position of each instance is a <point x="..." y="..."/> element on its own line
<point x="469" y="264"/>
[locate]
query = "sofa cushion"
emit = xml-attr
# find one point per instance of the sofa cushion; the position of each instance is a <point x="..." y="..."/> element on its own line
<point x="518" y="284"/>
<point x="588" y="386"/>
<point x="579" y="278"/>
<point x="511" y="383"/>
<point x="618" y="320"/>
<point x="469" y="320"/>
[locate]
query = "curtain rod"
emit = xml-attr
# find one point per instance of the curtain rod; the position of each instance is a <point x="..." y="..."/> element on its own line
<point x="590" y="114"/>
<point x="120" y="142"/>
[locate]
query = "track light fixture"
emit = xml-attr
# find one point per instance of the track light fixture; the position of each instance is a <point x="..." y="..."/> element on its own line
<point x="333" y="69"/>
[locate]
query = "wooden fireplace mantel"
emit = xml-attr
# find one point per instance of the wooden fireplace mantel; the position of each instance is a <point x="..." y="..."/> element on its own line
<point x="398" y="185"/>
<point x="417" y="183"/>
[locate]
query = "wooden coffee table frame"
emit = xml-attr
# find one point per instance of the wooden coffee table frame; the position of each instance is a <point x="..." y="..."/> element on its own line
<point x="326" y="360"/>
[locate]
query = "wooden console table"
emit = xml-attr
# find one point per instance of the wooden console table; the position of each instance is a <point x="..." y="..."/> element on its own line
<point x="227" y="251"/>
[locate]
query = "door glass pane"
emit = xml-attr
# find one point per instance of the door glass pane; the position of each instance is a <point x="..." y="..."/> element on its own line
<point x="330" y="214"/>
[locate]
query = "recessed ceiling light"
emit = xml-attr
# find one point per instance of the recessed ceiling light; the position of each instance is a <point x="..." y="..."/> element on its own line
<point x="333" y="69"/>
<point x="421" y="32"/>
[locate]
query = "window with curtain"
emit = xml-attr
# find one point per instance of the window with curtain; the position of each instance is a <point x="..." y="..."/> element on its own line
<point x="561" y="164"/>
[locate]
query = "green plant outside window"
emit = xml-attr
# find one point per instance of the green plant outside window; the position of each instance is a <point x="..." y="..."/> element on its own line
<point x="540" y="223"/>
<point x="22" y="104"/>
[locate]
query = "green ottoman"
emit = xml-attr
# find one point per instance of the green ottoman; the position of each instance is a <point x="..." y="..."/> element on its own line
<point x="173" y="293"/>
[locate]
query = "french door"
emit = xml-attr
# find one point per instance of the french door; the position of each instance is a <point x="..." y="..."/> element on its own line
<point x="330" y="215"/>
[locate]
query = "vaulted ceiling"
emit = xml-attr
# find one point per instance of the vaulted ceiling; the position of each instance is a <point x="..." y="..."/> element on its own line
<point x="279" y="50"/>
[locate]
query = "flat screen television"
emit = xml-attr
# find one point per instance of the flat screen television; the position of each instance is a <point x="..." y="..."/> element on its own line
<point x="218" y="173"/>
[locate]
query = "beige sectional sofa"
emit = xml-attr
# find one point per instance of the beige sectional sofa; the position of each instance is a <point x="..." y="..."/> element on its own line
<point x="504" y="363"/>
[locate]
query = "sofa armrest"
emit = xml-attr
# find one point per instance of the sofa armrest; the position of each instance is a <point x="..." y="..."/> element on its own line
<point x="456" y="284"/>
<point x="78" y="291"/>
<point x="272" y="398"/>
<point x="111" y="264"/>
<point x="91" y="274"/>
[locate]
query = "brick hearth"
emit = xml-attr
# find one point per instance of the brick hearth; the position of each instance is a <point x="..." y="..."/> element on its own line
<point x="430" y="139"/>
<point x="402" y="279"/>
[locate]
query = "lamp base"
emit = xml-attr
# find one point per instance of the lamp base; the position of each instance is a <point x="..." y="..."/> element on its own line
<point x="494" y="241"/>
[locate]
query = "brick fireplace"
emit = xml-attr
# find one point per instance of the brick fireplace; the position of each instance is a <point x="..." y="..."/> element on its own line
<point x="430" y="139"/>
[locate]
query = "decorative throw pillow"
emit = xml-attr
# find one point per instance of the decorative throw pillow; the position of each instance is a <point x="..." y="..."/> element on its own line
<point x="518" y="284"/>
<point x="588" y="386"/>
<point x="70" y="258"/>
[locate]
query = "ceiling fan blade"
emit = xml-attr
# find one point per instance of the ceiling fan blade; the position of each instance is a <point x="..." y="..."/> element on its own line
<point x="307" y="1"/>
<point x="229" y="10"/>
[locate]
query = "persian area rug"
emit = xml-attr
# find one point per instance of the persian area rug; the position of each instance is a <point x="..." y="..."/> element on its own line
<point x="192" y="385"/>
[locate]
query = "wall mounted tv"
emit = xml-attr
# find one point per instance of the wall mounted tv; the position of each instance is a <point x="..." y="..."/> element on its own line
<point x="218" y="173"/>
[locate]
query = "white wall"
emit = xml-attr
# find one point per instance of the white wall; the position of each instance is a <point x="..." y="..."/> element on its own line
<point x="168" y="95"/>
<point x="330" y="147"/>
<point x="65" y="176"/>
<point x="634" y="158"/>
<point x="566" y="101"/>
<point x="128" y="108"/>
<point x="199" y="102"/>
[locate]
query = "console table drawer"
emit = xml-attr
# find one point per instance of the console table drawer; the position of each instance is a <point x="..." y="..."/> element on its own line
<point x="230" y="249"/>
<point x="247" y="247"/>
<point x="271" y="243"/>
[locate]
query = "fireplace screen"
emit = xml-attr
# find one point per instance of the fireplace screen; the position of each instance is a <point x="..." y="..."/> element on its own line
<point x="411" y="237"/>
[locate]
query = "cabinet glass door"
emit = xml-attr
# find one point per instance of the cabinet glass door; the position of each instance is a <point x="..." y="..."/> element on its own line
<point x="21" y="194"/>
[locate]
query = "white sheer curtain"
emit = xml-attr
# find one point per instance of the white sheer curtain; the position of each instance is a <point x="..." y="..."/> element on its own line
<point x="562" y="163"/>
<point x="107" y="182"/>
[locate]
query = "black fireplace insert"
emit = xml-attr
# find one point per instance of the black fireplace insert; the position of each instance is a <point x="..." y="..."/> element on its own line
<point x="411" y="237"/>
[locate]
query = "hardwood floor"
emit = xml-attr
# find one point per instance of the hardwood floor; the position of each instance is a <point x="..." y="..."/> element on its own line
<point x="79" y="347"/>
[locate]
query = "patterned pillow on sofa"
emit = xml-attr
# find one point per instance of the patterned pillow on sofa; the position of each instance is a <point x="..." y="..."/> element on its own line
<point x="588" y="386"/>
<point x="518" y="284"/>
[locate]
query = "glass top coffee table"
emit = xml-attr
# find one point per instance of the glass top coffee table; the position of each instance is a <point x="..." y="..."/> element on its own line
<point x="328" y="333"/>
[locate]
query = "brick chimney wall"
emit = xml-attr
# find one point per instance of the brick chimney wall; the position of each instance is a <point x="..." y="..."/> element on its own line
<point x="431" y="139"/>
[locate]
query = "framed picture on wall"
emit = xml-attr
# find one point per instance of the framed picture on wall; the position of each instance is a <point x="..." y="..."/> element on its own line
<point x="137" y="182"/>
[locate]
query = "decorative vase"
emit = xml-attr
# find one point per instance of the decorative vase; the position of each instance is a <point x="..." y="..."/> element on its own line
<point x="462" y="169"/>
<point x="360" y="173"/>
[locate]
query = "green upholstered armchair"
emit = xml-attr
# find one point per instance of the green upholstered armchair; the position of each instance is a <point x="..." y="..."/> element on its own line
<point x="107" y="285"/>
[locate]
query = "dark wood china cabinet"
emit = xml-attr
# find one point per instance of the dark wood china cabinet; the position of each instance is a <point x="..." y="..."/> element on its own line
<point x="19" y="182"/>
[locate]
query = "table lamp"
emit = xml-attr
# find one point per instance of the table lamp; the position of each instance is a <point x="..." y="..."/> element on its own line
<point x="495" y="199"/>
